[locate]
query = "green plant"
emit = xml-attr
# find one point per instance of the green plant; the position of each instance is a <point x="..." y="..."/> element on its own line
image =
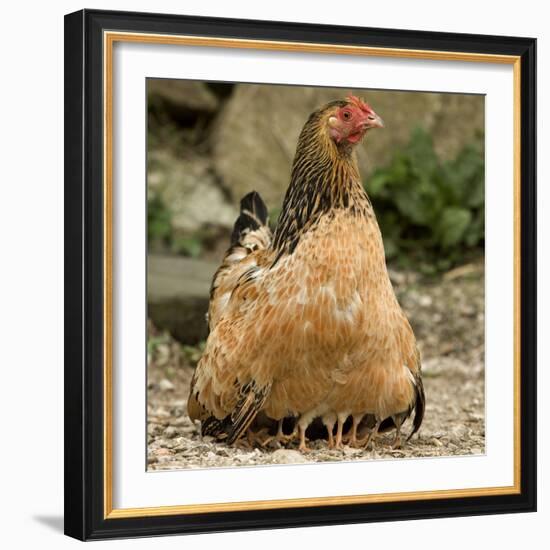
<point x="190" y="246"/>
<point x="193" y="353"/>
<point x="431" y="212"/>
<point x="159" y="221"/>
<point x="161" y="234"/>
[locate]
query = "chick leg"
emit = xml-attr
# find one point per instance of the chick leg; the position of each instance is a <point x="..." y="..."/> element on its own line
<point x="339" y="429"/>
<point x="372" y="433"/>
<point x="330" y="437"/>
<point x="291" y="436"/>
<point x="303" y="446"/>
<point x="352" y="438"/>
<point x="280" y="437"/>
<point x="329" y="421"/>
<point x="244" y="443"/>
<point x="398" y="421"/>
<point x="260" y="438"/>
<point x="396" y="444"/>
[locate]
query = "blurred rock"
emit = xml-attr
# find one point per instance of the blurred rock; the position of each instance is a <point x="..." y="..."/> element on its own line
<point x="177" y="296"/>
<point x="182" y="100"/>
<point x="189" y="190"/>
<point x="257" y="130"/>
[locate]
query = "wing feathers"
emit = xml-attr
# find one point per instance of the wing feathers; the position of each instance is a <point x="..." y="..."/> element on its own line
<point x="251" y="401"/>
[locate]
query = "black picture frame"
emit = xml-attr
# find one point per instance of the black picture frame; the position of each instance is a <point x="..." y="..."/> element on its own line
<point x="84" y="282"/>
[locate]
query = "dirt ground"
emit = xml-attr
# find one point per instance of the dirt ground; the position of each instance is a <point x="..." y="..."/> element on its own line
<point x="447" y="316"/>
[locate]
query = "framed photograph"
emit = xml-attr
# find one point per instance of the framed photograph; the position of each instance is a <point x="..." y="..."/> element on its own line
<point x="300" y="274"/>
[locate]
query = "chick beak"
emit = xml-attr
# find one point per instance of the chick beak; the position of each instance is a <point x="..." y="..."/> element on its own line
<point x="373" y="121"/>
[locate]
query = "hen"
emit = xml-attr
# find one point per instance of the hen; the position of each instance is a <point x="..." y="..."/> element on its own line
<point x="304" y="323"/>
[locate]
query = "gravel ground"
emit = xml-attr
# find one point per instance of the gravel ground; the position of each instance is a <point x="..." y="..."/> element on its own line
<point x="448" y="318"/>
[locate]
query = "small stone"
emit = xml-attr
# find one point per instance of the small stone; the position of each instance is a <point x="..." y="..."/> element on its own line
<point x="171" y="431"/>
<point x="425" y="300"/>
<point x="161" y="412"/>
<point x="162" y="452"/>
<point x="166" y="385"/>
<point x="350" y="451"/>
<point x="288" y="456"/>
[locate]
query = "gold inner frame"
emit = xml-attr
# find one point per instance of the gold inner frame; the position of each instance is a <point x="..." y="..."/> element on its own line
<point x="109" y="39"/>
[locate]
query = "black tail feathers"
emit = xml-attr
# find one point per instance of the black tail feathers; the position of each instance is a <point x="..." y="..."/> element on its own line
<point x="253" y="215"/>
<point x="419" y="408"/>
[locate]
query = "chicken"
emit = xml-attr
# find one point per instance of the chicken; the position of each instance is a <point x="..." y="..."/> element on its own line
<point x="304" y="323"/>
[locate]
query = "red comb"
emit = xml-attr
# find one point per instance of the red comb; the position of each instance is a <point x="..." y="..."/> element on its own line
<point x="359" y="103"/>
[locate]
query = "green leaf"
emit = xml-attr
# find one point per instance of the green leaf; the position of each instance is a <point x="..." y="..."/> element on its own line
<point x="377" y="183"/>
<point x="159" y="220"/>
<point x="188" y="246"/>
<point x="415" y="206"/>
<point x="452" y="226"/>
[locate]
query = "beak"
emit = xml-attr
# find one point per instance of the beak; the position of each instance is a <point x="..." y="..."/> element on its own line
<point x="373" y="121"/>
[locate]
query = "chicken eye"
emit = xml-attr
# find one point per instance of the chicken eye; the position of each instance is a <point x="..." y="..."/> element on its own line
<point x="346" y="115"/>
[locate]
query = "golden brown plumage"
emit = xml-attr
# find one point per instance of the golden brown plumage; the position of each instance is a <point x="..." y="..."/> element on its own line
<point x="306" y="323"/>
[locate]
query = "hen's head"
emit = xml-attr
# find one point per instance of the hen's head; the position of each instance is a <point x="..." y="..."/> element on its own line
<point x="348" y="121"/>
